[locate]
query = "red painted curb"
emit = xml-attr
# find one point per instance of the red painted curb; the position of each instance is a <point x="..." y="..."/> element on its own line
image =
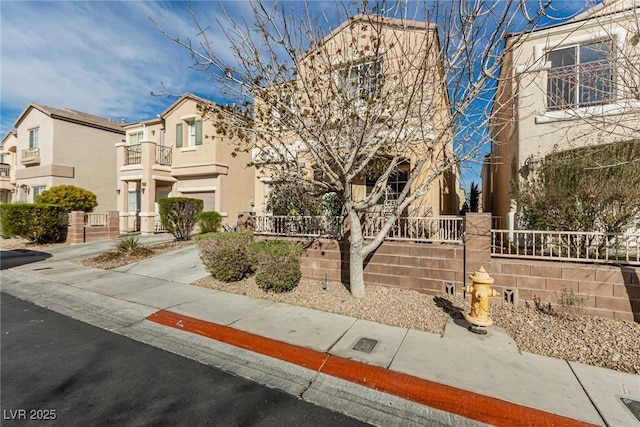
<point x="439" y="396"/>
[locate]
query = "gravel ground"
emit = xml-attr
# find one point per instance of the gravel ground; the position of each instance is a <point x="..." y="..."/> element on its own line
<point x="597" y="341"/>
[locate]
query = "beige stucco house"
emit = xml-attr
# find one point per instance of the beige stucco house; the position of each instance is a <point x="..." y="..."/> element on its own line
<point x="8" y="163"/>
<point x="563" y="87"/>
<point x="351" y="59"/>
<point x="180" y="154"/>
<point x="52" y="146"/>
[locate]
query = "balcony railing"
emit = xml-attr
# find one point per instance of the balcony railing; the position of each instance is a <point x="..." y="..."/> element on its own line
<point x="133" y="155"/>
<point x="442" y="229"/>
<point x="30" y="156"/>
<point x="96" y="220"/>
<point x="298" y="226"/>
<point x="5" y="170"/>
<point x="163" y="155"/>
<point x="581" y="85"/>
<point x="619" y="248"/>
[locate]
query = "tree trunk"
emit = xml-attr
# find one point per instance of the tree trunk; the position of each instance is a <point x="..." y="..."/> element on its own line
<point x="356" y="257"/>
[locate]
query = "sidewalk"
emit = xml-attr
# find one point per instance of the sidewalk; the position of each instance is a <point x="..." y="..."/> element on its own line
<point x="407" y="378"/>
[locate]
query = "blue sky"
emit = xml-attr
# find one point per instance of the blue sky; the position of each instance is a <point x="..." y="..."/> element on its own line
<point x="106" y="57"/>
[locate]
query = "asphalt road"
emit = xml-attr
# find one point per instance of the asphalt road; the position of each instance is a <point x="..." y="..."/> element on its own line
<point x="59" y="371"/>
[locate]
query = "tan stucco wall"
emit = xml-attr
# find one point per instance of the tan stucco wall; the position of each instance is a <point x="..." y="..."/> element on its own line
<point x="210" y="166"/>
<point x="404" y="50"/>
<point x="70" y="154"/>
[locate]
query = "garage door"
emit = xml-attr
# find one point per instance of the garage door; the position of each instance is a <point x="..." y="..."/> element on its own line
<point x="208" y="198"/>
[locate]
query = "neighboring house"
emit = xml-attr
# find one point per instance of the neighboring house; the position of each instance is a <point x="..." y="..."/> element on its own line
<point x="563" y="87"/>
<point x="8" y="163"/>
<point x="359" y="74"/>
<point x="180" y="154"/>
<point x="64" y="147"/>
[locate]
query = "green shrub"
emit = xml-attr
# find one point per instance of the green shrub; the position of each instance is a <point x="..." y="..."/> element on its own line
<point x="42" y="223"/>
<point x="179" y="214"/>
<point x="225" y="255"/>
<point x="128" y="244"/>
<point x="276" y="263"/>
<point x="69" y="198"/>
<point x="209" y="221"/>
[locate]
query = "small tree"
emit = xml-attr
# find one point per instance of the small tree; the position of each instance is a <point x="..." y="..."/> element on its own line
<point x="294" y="198"/>
<point x="474" y="197"/>
<point x="179" y="214"/>
<point x="69" y="198"/>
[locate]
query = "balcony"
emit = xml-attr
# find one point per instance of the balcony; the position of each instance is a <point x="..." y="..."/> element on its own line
<point x="5" y="171"/>
<point x="132" y="155"/>
<point x="163" y="155"/>
<point x="30" y="156"/>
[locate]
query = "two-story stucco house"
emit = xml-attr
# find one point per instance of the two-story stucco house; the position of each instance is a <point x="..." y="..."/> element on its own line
<point x="351" y="64"/>
<point x="180" y="154"/>
<point x="8" y="162"/>
<point x="563" y="87"/>
<point x="56" y="146"/>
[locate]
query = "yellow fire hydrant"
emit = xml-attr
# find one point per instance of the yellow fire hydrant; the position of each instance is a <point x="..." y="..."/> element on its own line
<point x="480" y="292"/>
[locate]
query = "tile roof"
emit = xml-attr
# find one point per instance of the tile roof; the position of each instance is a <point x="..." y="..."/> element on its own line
<point x="74" y="116"/>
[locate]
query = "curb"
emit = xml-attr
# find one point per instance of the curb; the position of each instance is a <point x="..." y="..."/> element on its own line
<point x="446" y="398"/>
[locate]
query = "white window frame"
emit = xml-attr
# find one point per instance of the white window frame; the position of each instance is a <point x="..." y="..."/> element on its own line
<point x="574" y="75"/>
<point x="34" y="138"/>
<point x="37" y="190"/>
<point x="356" y="83"/>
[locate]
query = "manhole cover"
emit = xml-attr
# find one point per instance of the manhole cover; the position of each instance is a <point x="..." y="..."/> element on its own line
<point x="365" y="345"/>
<point x="633" y="405"/>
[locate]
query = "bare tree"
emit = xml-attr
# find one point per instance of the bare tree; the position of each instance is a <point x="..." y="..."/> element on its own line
<point x="386" y="93"/>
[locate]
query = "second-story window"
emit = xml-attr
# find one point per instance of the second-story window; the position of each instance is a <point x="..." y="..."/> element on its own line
<point x="581" y="76"/>
<point x="360" y="80"/>
<point x="33" y="137"/>
<point x="135" y="138"/>
<point x="194" y="134"/>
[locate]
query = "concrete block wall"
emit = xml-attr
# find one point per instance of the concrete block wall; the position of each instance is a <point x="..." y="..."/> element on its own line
<point x="608" y="290"/>
<point x="420" y="267"/>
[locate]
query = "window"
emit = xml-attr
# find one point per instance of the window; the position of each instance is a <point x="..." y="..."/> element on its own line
<point x="360" y="80"/>
<point x="135" y="138"/>
<point x="194" y="134"/>
<point x="37" y="191"/>
<point x="283" y="110"/>
<point x="134" y="201"/>
<point x="581" y="76"/>
<point x="33" y="138"/>
<point x="395" y="184"/>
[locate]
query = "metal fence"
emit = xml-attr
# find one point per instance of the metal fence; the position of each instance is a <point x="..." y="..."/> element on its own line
<point x="96" y="220"/>
<point x="440" y="229"/>
<point x="133" y="154"/>
<point x="593" y="247"/>
<point x="444" y="229"/>
<point x="298" y="226"/>
<point x="163" y="155"/>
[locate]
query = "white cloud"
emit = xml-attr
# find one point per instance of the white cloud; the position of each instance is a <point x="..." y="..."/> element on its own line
<point x="104" y="58"/>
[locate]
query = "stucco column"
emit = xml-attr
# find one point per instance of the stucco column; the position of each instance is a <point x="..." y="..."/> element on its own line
<point x="122" y="197"/>
<point x="148" y="188"/>
<point x="477" y="242"/>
